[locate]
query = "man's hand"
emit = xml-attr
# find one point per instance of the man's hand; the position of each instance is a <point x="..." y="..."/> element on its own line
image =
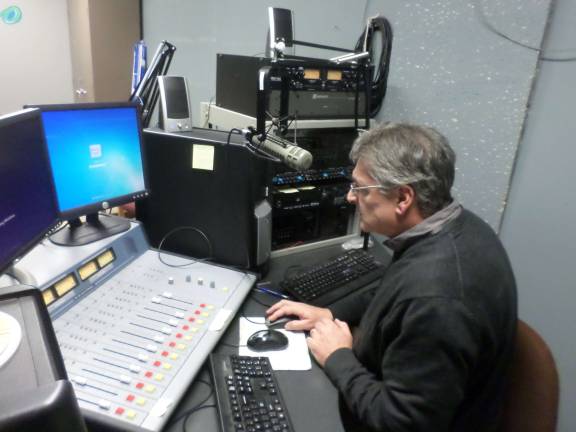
<point x="307" y="315"/>
<point x="328" y="336"/>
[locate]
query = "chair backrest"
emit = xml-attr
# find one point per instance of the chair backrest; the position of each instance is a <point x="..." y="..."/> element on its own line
<point x="532" y="400"/>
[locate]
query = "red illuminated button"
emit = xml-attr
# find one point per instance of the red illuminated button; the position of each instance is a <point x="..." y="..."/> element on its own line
<point x="172" y="344"/>
<point x="140" y="386"/>
<point x="148" y="374"/>
<point x="185" y="327"/>
<point x="191" y="319"/>
<point x="203" y="305"/>
<point x="178" y="335"/>
<point x="130" y="397"/>
<point x="119" y="411"/>
<point x="157" y="363"/>
<point x="165" y="353"/>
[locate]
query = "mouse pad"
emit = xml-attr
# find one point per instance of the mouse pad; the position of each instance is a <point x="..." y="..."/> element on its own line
<point x="294" y="357"/>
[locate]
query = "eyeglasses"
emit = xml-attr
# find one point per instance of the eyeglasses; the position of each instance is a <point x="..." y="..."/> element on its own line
<point x="354" y="189"/>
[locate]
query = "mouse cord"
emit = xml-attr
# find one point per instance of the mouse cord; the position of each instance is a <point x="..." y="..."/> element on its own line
<point x="247" y="319"/>
<point x="257" y="301"/>
<point x="192" y="411"/>
<point x="232" y="345"/>
<point x="200" y="405"/>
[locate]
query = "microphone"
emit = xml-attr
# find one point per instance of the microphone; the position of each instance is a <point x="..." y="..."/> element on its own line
<point x="293" y="156"/>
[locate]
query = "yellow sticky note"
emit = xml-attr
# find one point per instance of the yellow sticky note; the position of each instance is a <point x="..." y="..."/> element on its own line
<point x="203" y="157"/>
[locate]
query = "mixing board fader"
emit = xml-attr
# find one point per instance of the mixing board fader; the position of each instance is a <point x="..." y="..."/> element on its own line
<point x="134" y="338"/>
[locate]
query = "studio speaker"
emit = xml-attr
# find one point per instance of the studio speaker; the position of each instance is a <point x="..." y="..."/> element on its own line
<point x="174" y="110"/>
<point x="280" y="31"/>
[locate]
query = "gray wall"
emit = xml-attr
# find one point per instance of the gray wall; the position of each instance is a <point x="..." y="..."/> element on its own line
<point x="35" y="56"/>
<point x="449" y="71"/>
<point x="538" y="227"/>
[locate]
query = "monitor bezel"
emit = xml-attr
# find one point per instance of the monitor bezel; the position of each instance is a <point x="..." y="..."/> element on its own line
<point x="76" y="212"/>
<point x="8" y="119"/>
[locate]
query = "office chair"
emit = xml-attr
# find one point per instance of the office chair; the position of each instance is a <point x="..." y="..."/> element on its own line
<point x="531" y="404"/>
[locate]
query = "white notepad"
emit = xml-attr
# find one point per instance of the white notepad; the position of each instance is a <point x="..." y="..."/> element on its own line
<point x="294" y="357"/>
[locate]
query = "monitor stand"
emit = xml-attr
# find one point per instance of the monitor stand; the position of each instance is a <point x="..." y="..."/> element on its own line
<point x="97" y="227"/>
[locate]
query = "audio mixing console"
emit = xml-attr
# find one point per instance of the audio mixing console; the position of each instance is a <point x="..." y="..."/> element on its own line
<point x="133" y="330"/>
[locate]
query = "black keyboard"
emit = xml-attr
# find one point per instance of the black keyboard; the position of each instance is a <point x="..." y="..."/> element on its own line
<point x="247" y="395"/>
<point x="329" y="281"/>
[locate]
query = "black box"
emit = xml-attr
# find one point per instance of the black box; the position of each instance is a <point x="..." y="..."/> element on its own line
<point x="211" y="205"/>
<point x="313" y="89"/>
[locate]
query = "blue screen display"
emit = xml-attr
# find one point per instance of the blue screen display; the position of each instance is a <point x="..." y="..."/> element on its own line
<point x="27" y="202"/>
<point x="95" y="154"/>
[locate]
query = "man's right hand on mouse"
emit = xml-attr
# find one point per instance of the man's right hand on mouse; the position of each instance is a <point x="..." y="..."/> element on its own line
<point x="307" y="315"/>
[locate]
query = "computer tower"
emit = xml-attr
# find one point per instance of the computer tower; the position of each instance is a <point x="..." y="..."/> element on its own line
<point x="207" y="197"/>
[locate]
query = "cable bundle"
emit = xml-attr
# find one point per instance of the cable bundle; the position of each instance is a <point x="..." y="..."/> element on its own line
<point x="375" y="25"/>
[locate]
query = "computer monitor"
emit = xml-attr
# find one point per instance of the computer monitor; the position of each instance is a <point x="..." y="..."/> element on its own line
<point x="96" y="158"/>
<point x="27" y="201"/>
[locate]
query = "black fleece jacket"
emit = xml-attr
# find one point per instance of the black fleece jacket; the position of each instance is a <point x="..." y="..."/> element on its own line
<point x="434" y="340"/>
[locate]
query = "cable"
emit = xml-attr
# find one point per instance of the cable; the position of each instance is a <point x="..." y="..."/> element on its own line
<point x="490" y="27"/>
<point x="377" y="24"/>
<point x="183" y="228"/>
<point x="259" y="302"/>
<point x="207" y="119"/>
<point x="255" y="150"/>
<point x="232" y="345"/>
<point x="294" y="270"/>
<point x="243" y="315"/>
<point x="197" y="407"/>
<point x="192" y="412"/>
<point x="233" y="130"/>
<point x="261" y="154"/>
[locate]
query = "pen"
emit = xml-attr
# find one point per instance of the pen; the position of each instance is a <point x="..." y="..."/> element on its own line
<point x="271" y="292"/>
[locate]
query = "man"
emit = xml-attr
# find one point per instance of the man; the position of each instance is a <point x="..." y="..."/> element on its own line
<point x="433" y="342"/>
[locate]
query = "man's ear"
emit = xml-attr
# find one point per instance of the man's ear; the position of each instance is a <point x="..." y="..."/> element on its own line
<point x="405" y="199"/>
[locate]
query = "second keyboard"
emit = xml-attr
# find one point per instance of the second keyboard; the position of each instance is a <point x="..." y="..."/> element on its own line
<point x="329" y="281"/>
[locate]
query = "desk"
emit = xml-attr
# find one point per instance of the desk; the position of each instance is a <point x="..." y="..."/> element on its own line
<point x="311" y="399"/>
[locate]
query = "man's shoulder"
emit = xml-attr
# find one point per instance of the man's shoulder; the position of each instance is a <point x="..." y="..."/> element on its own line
<point x="443" y="263"/>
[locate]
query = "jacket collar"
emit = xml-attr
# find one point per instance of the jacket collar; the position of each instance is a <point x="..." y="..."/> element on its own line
<point x="431" y="225"/>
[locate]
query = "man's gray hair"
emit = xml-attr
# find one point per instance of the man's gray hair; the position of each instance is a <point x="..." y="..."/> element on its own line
<point x="397" y="154"/>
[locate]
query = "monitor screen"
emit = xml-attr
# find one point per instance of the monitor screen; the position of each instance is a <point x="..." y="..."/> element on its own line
<point x="27" y="202"/>
<point x="96" y="158"/>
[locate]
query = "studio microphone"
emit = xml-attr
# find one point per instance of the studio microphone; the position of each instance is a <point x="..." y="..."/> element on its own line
<point x="293" y="156"/>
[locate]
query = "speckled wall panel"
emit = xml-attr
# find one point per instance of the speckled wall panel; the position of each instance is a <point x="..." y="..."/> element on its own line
<point x="451" y="71"/>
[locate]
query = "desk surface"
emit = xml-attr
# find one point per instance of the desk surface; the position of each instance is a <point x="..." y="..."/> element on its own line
<point x="311" y="398"/>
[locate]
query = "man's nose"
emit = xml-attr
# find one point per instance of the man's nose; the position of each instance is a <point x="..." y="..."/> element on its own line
<point x="351" y="197"/>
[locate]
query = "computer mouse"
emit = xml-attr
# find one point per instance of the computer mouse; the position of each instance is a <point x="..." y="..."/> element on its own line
<point x="267" y="340"/>
<point x="280" y="322"/>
